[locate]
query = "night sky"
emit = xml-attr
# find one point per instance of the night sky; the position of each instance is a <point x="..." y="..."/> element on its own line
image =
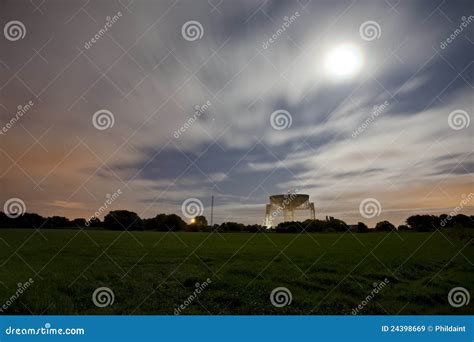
<point x="394" y="128"/>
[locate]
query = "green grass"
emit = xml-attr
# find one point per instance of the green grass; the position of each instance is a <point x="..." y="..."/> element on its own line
<point x="153" y="273"/>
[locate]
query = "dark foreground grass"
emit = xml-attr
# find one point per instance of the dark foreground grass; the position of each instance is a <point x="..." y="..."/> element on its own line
<point x="154" y="273"/>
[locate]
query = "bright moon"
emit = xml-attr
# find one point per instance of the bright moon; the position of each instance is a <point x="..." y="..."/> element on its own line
<point x="343" y="61"/>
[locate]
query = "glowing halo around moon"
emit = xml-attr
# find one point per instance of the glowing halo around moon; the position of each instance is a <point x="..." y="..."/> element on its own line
<point x="343" y="61"/>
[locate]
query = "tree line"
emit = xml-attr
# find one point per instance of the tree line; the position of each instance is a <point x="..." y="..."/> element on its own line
<point x="128" y="220"/>
<point x="417" y="223"/>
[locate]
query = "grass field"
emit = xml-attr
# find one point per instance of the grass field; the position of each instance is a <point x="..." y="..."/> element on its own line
<point x="154" y="273"/>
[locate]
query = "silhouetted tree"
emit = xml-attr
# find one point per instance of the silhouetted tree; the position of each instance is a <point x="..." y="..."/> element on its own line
<point x="423" y="223"/>
<point x="255" y="228"/>
<point x="173" y="222"/>
<point x="289" y="227"/>
<point x="57" y="222"/>
<point x="27" y="220"/>
<point x="362" y="227"/>
<point x="149" y="224"/>
<point x="94" y="222"/>
<point x="463" y="221"/>
<point x="315" y="225"/>
<point x="460" y="220"/>
<point x="232" y="227"/>
<point x="165" y="223"/>
<point x="200" y="221"/>
<point x="32" y="220"/>
<point x="446" y="221"/>
<point x="336" y="224"/>
<point x="5" y="221"/>
<point x="194" y="228"/>
<point x="331" y="224"/>
<point x="79" y="223"/>
<point x="123" y="220"/>
<point x="384" y="226"/>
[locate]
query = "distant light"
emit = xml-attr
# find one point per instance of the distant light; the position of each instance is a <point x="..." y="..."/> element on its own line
<point x="343" y="61"/>
<point x="193" y="220"/>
